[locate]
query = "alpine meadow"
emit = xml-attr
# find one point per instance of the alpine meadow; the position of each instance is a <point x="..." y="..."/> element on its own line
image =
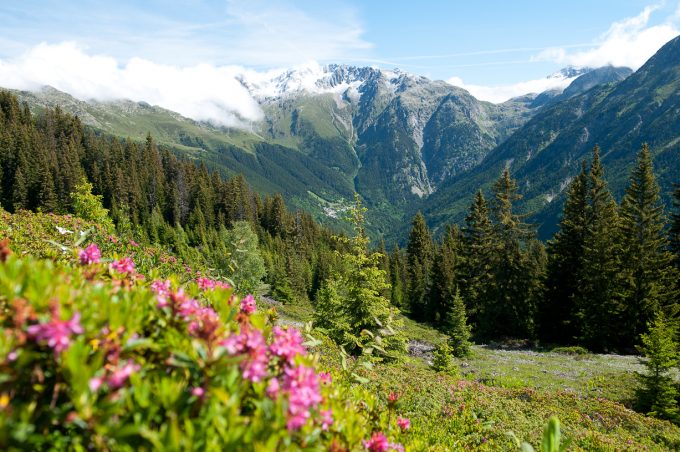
<point x="344" y="226"/>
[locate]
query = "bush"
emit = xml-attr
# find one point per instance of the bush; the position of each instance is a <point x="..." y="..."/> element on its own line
<point x="572" y="350"/>
<point x="442" y="360"/>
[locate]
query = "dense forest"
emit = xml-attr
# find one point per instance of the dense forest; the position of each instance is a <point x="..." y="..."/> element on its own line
<point x="609" y="271"/>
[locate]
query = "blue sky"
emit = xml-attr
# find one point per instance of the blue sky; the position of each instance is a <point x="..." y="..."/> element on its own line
<point x="493" y="48"/>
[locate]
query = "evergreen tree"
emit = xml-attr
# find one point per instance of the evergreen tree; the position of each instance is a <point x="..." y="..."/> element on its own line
<point x="350" y="307"/>
<point x="597" y="299"/>
<point x="479" y="254"/>
<point x="675" y="227"/>
<point x="647" y="264"/>
<point x="445" y="274"/>
<point x="246" y="263"/>
<point x="457" y="327"/>
<point x="420" y="255"/>
<point x="658" y="395"/>
<point x="442" y="360"/>
<point x="398" y="278"/>
<point x="565" y="251"/>
<point x="509" y="310"/>
<point x="20" y="191"/>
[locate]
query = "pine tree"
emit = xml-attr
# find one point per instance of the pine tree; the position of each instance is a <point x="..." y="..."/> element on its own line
<point x="649" y="276"/>
<point x="398" y="278"/>
<point x="479" y="254"/>
<point x="557" y="313"/>
<point x="457" y="327"/>
<point x="597" y="300"/>
<point x="20" y="191"/>
<point x="419" y="254"/>
<point x="658" y="395"/>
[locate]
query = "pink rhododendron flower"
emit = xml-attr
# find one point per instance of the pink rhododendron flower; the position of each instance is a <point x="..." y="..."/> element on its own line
<point x="326" y="419"/>
<point x="204" y="323"/>
<point x="95" y="383"/>
<point x="133" y="243"/>
<point x="302" y="385"/>
<point x="287" y="343"/>
<point x="251" y="343"/>
<point x="198" y="392"/>
<point x="162" y="290"/>
<point x="207" y="284"/>
<point x="377" y="443"/>
<point x="57" y="333"/>
<point x="403" y="423"/>
<point x="273" y="388"/>
<point x="124" y="265"/>
<point x="325" y="378"/>
<point x="90" y="255"/>
<point x="122" y="374"/>
<point x="248" y="304"/>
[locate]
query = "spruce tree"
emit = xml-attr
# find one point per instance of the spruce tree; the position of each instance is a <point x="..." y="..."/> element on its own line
<point x="457" y="327"/>
<point x="420" y="255"/>
<point x="647" y="264"/>
<point x="510" y="308"/>
<point x="675" y="227"/>
<point x="557" y="317"/>
<point x="445" y="274"/>
<point x="350" y="306"/>
<point x="479" y="253"/>
<point x="658" y="395"/>
<point x="597" y="300"/>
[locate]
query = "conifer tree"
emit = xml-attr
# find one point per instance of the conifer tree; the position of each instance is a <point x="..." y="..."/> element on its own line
<point x="350" y="307"/>
<point x="479" y="254"/>
<point x="445" y="274"/>
<point x="647" y="264"/>
<point x="675" y="227"/>
<point x="20" y="191"/>
<point x="597" y="300"/>
<point x="398" y="278"/>
<point x="658" y="395"/>
<point x="457" y="327"/>
<point x="420" y="255"/>
<point x="509" y="310"/>
<point x="557" y="321"/>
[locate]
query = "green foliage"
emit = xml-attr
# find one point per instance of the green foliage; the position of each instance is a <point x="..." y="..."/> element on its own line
<point x="659" y="395"/>
<point x="647" y="265"/>
<point x="89" y="206"/>
<point x="574" y="350"/>
<point x="420" y="255"/>
<point x="350" y="307"/>
<point x="457" y="328"/>
<point x="552" y="438"/>
<point x="442" y="360"/>
<point x="245" y="262"/>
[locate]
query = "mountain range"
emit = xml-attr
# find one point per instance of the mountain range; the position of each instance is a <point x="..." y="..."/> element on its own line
<point x="407" y="143"/>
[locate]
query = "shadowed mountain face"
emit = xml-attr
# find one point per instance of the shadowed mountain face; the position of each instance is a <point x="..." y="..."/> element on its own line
<point x="405" y="142"/>
<point x="546" y="152"/>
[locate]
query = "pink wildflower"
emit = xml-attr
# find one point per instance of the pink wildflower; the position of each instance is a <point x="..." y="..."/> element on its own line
<point x="133" y="243"/>
<point x="204" y="324"/>
<point x="273" y="388"/>
<point x="208" y="284"/>
<point x="325" y="378"/>
<point x="404" y="423"/>
<point x="326" y="419"/>
<point x="124" y="265"/>
<point x="121" y="375"/>
<point x="57" y="333"/>
<point x="248" y="304"/>
<point x="95" y="383"/>
<point x="198" y="392"/>
<point x="162" y="291"/>
<point x="251" y="343"/>
<point x="287" y="343"/>
<point x="377" y="443"/>
<point x="302" y="385"/>
<point x="90" y="255"/>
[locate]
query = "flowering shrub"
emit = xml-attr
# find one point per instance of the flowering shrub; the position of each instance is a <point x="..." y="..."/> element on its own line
<point x="96" y="356"/>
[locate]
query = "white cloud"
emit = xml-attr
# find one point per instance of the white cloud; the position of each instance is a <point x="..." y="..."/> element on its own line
<point x="501" y="93"/>
<point x="629" y="42"/>
<point x="201" y="92"/>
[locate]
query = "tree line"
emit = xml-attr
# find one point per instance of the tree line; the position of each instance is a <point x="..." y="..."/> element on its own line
<point x="605" y="275"/>
<point x="608" y="271"/>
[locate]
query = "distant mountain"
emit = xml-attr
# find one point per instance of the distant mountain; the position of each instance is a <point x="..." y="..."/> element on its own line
<point x="545" y="153"/>
<point x="402" y="141"/>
